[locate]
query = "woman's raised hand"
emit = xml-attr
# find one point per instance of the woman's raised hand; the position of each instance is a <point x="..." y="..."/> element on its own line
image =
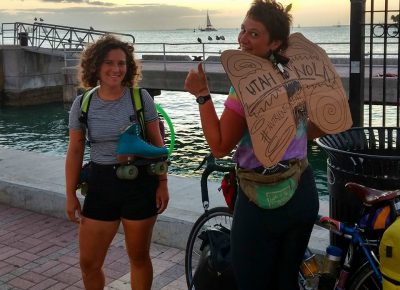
<point x="196" y="82"/>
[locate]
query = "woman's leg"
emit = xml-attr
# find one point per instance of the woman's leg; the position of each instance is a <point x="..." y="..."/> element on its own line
<point x="94" y="240"/>
<point x="292" y="249"/>
<point x="301" y="213"/>
<point x="268" y="245"/>
<point x="254" y="247"/>
<point x="138" y="239"/>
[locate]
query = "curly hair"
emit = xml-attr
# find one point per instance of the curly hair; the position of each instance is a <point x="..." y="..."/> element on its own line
<point x="93" y="56"/>
<point x="275" y="18"/>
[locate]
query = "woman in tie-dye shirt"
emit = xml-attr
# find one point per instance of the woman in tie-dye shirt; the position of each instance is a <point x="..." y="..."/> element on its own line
<point x="267" y="244"/>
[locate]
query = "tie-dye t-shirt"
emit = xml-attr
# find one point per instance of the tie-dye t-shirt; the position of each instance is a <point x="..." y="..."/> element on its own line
<point x="244" y="154"/>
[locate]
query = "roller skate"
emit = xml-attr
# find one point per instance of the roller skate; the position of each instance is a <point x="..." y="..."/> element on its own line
<point x="133" y="151"/>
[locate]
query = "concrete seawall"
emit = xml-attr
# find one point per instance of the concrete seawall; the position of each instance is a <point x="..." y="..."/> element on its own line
<point x="29" y="76"/>
<point x="170" y="75"/>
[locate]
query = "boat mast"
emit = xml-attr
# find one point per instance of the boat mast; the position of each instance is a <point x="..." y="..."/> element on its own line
<point x="208" y="21"/>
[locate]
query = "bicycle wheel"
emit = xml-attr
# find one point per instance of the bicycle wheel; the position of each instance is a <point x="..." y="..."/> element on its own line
<point x="365" y="279"/>
<point x="307" y="283"/>
<point x="215" y="216"/>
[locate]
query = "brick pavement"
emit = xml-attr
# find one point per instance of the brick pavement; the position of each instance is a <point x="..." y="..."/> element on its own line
<point x="39" y="252"/>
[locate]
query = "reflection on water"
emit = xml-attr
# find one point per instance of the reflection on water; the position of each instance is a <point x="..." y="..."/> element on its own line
<point x="389" y="115"/>
<point x="37" y="128"/>
<point x="44" y="129"/>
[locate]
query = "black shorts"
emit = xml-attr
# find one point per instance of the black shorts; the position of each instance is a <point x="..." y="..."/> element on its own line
<point x="110" y="198"/>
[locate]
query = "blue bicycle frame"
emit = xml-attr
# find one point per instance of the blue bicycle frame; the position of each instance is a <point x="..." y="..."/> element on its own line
<point x="354" y="234"/>
<point x="357" y="239"/>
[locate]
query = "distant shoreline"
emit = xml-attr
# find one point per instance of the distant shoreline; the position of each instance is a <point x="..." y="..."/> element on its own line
<point x="233" y="28"/>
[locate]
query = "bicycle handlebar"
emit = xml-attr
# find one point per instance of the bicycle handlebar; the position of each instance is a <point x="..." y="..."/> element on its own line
<point x="211" y="166"/>
<point x="337" y="227"/>
<point x="329" y="224"/>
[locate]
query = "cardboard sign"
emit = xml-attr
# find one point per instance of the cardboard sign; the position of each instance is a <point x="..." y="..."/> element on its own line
<point x="274" y="104"/>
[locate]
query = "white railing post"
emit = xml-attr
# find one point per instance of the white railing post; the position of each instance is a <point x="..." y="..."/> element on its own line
<point x="204" y="56"/>
<point x="165" y="58"/>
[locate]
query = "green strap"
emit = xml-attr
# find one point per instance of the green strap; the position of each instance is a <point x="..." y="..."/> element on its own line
<point x="137" y="103"/>
<point x="83" y="118"/>
<point x="86" y="99"/>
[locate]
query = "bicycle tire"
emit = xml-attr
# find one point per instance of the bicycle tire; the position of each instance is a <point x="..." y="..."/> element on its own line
<point x="365" y="279"/>
<point x="302" y="282"/>
<point x="306" y="283"/>
<point x="215" y="216"/>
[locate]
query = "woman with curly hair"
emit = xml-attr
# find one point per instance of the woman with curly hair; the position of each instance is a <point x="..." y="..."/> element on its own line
<point x="110" y="64"/>
<point x="268" y="243"/>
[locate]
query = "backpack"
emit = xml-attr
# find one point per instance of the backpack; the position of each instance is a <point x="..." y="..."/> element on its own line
<point x="137" y="103"/>
<point x="214" y="270"/>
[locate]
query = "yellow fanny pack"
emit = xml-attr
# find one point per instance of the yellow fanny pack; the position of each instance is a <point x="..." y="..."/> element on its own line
<point x="272" y="190"/>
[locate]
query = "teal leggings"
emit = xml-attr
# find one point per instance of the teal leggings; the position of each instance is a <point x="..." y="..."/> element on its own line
<point x="268" y="245"/>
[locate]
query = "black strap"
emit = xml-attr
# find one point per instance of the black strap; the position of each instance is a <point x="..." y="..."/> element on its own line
<point x="391" y="280"/>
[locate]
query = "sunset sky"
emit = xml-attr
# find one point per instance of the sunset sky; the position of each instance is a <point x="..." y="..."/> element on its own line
<point x="163" y="14"/>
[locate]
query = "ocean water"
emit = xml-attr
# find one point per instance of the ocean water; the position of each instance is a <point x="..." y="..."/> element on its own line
<point x="186" y="41"/>
<point x="44" y="129"/>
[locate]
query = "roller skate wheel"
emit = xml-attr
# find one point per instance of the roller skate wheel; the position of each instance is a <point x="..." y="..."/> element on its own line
<point x="127" y="172"/>
<point x="84" y="188"/>
<point x="160" y="168"/>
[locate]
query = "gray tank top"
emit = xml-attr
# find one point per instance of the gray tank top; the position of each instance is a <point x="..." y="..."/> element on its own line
<point x="107" y="120"/>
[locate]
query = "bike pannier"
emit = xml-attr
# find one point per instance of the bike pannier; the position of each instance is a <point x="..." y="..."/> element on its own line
<point x="229" y="189"/>
<point x="376" y="219"/>
<point x="389" y="252"/>
<point x="214" y="270"/>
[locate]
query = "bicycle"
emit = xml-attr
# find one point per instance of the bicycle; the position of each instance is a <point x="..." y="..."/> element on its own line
<point x="217" y="216"/>
<point x="360" y="269"/>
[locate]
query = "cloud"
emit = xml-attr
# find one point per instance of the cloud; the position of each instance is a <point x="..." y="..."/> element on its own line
<point x="95" y="3"/>
<point x="64" y="1"/>
<point x="100" y="3"/>
<point x="121" y="17"/>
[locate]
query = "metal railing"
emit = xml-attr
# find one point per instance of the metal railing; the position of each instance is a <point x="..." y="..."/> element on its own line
<point x="73" y="39"/>
<point x="381" y="21"/>
<point x="53" y="36"/>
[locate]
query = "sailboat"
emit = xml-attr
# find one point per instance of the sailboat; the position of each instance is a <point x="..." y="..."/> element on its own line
<point x="209" y="26"/>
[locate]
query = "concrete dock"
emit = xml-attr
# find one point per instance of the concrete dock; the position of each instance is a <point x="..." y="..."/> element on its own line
<point x="32" y="188"/>
<point x="31" y="76"/>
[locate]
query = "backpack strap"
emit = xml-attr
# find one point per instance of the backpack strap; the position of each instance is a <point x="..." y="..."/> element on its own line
<point x="137" y="102"/>
<point x="85" y="102"/>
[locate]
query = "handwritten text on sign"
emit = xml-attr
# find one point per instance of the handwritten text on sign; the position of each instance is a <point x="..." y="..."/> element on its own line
<point x="274" y="106"/>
